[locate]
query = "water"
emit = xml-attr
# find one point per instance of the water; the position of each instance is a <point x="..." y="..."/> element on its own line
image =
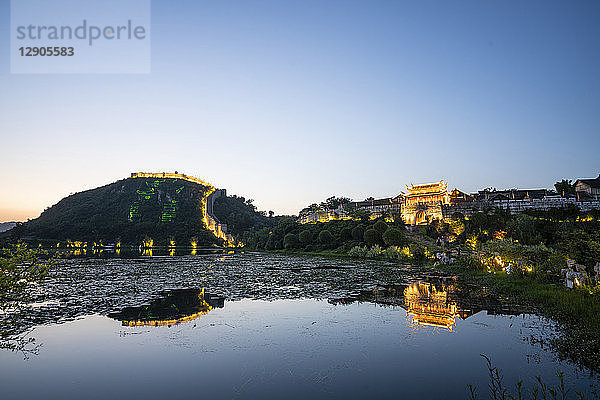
<point x="272" y="326"/>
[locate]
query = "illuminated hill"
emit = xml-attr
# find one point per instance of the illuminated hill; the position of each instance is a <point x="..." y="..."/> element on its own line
<point x="165" y="208"/>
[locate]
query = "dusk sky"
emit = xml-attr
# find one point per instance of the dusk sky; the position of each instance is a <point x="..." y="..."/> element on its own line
<point x="290" y="102"/>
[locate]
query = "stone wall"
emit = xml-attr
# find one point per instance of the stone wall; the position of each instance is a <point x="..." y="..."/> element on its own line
<point x="212" y="222"/>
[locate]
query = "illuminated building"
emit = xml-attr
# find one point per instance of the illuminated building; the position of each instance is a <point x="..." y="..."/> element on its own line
<point x="423" y="203"/>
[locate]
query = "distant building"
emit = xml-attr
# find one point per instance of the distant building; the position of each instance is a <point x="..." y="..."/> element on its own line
<point x="378" y="206"/>
<point x="425" y="203"/>
<point x="513" y="194"/>
<point x="589" y="187"/>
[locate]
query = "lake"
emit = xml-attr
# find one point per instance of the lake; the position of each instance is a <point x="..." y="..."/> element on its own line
<point x="271" y="326"/>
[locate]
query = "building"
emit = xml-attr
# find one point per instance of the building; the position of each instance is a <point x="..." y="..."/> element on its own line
<point x="423" y="203"/>
<point x="585" y="188"/>
<point x="378" y="207"/>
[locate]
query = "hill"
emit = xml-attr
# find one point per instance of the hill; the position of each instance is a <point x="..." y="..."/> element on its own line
<point x="128" y="211"/>
<point x="5" y="226"/>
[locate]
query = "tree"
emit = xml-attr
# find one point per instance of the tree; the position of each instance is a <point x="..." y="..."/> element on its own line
<point x="358" y="233"/>
<point x="372" y="237"/>
<point x="583" y="248"/>
<point x="381" y="227"/>
<point x="325" y="237"/>
<point x="334" y="202"/>
<point x="305" y="237"/>
<point x="565" y="187"/>
<point x="393" y="237"/>
<point x="19" y="268"/>
<point x="523" y="229"/>
<point x="290" y="241"/>
<point x="358" y="214"/>
<point x="346" y="234"/>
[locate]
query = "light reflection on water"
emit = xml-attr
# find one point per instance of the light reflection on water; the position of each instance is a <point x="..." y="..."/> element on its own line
<point x="270" y="326"/>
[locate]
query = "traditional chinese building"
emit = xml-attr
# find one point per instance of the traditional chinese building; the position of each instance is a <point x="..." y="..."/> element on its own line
<point x="588" y="188"/>
<point x="423" y="203"/>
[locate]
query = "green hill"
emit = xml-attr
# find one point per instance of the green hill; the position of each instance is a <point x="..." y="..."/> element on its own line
<point x="129" y="211"/>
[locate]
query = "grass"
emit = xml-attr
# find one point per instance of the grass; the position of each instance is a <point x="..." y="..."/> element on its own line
<point x="576" y="311"/>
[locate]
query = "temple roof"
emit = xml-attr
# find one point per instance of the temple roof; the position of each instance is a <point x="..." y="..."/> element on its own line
<point x="593" y="183"/>
<point x="427" y="188"/>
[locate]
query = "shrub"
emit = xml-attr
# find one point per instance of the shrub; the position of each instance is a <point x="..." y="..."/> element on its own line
<point x="358" y="233"/>
<point x="374" y="251"/>
<point x="305" y="237"/>
<point x="419" y="255"/>
<point x="372" y="237"/>
<point x="345" y="234"/>
<point x="325" y="237"/>
<point x="290" y="241"/>
<point x="392" y="253"/>
<point x="381" y="227"/>
<point x="393" y="237"/>
<point x="358" y="252"/>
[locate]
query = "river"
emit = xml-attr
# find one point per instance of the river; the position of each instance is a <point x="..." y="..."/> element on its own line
<point x="252" y="325"/>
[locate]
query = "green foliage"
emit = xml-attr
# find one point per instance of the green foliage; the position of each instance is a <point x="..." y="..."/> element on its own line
<point x="104" y="214"/>
<point x="565" y="187"/>
<point x="419" y="254"/>
<point x="345" y="234"/>
<point x="240" y="215"/>
<point x="381" y="227"/>
<point x="582" y="247"/>
<point x="334" y="202"/>
<point x="358" y="233"/>
<point x="20" y="267"/>
<point x="523" y="229"/>
<point x="372" y="237"/>
<point x="325" y="237"/>
<point x="305" y="237"/>
<point x="290" y="241"/>
<point x="358" y="252"/>
<point x="499" y="391"/>
<point x="393" y="237"/>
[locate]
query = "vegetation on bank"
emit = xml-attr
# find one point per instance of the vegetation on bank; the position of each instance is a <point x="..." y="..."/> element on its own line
<point x="241" y="215"/>
<point x="20" y="269"/>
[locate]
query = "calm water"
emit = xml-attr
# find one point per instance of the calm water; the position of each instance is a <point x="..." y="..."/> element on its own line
<point x="269" y="326"/>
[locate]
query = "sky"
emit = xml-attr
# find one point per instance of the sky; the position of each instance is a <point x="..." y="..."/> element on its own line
<point x="290" y="102"/>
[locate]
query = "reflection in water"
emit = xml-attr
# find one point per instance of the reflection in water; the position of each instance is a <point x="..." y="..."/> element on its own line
<point x="172" y="307"/>
<point x="430" y="305"/>
<point x="436" y="302"/>
<point x="133" y="252"/>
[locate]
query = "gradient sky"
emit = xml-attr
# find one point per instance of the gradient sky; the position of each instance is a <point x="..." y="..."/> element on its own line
<point x="289" y="102"/>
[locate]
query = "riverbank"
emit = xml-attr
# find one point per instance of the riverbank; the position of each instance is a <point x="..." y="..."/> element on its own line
<point x="577" y="311"/>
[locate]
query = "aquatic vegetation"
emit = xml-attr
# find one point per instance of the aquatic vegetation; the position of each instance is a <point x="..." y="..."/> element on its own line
<point x="499" y="391"/>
